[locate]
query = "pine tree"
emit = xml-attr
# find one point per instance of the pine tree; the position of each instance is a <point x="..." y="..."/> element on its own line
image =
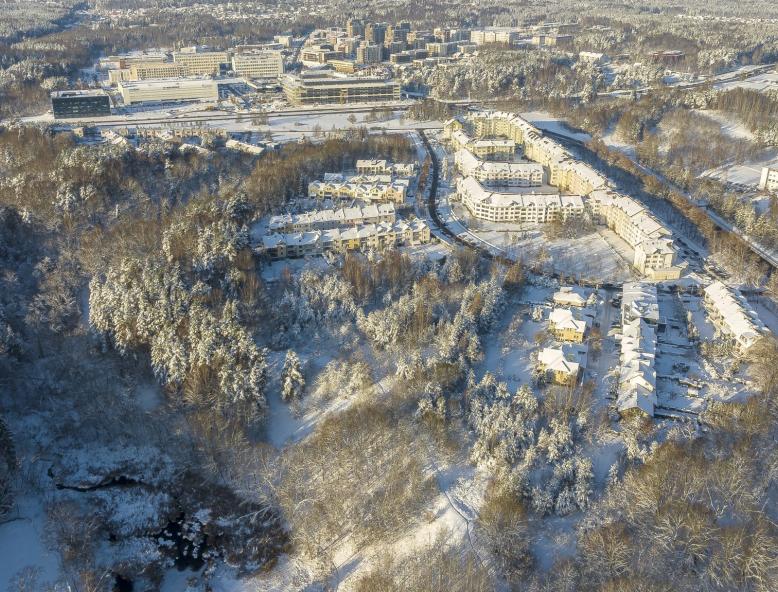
<point x="292" y="379"/>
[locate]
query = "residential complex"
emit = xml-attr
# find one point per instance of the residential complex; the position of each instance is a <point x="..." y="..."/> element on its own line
<point x="362" y="188"/>
<point x="732" y="316"/>
<point x="517" y="207"/>
<point x="569" y="296"/>
<point x="322" y="87"/>
<point x="384" y="167"/>
<point x="503" y="174"/>
<point x="69" y="104"/>
<point x="565" y="327"/>
<point x="637" y="375"/>
<point x="336" y="240"/>
<point x="560" y="364"/>
<point x="327" y="219"/>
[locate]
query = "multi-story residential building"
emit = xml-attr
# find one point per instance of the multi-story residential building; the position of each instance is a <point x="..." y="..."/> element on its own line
<point x="384" y="167"/>
<point x="261" y="64"/>
<point x="732" y="316"/>
<point x="565" y="327"/>
<point x="199" y="62"/>
<point x="442" y="48"/>
<point x="340" y="240"/>
<point x="637" y="374"/>
<point x="517" y="207"/>
<point x="560" y="365"/>
<point x="488" y="35"/>
<point x="70" y="104"/>
<point x="310" y="88"/>
<point x="369" y="53"/>
<point x="355" y="28"/>
<point x="151" y="70"/>
<point x="491" y="148"/>
<point x="153" y="91"/>
<point x="375" y="33"/>
<point x="393" y="191"/>
<point x="505" y="174"/>
<point x="327" y="219"/>
<point x="768" y="181"/>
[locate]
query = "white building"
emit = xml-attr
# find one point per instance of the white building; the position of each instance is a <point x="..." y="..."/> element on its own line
<point x="637" y="373"/>
<point x="517" y="207"/>
<point x="198" y="61"/>
<point x="508" y="174"/>
<point x="494" y="35"/>
<point x="260" y="64"/>
<point x="328" y="218"/>
<point x="362" y="189"/>
<point x="731" y="314"/>
<point x="562" y="365"/>
<point x="186" y="89"/>
<point x="384" y="167"/>
<point x="569" y="296"/>
<point x="769" y="179"/>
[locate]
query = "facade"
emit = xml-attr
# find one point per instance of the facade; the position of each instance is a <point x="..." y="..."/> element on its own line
<point x="261" y="64"/>
<point x="369" y="53"/>
<point x="732" y="316"/>
<point x="375" y="33"/>
<point x="118" y="75"/>
<point x="637" y="374"/>
<point x="328" y="219"/>
<point x="362" y="189"/>
<point x="565" y="327"/>
<point x="312" y="88"/>
<point x="202" y="62"/>
<point x="153" y="91"/>
<point x="70" y="104"/>
<point x="517" y="207"/>
<point x="368" y="236"/>
<point x="494" y="35"/>
<point x="320" y="55"/>
<point x="504" y="174"/>
<point x="150" y="70"/>
<point x="384" y="167"/>
<point x="484" y="149"/>
<point x="355" y="28"/>
<point x="768" y="181"/>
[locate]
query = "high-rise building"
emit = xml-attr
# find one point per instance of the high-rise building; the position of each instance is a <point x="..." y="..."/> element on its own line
<point x="375" y="33"/>
<point x="69" y="104"/>
<point x="395" y="33"/>
<point x="369" y="54"/>
<point x="355" y="28"/>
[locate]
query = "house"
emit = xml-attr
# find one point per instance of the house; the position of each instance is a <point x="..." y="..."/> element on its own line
<point x="732" y="316"/>
<point x="558" y="366"/>
<point x="569" y="296"/>
<point x="565" y="327"/>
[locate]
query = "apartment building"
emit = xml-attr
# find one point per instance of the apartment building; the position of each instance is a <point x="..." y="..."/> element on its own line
<point x="187" y="89"/>
<point x="329" y="218"/>
<point x="200" y="62"/>
<point x="503" y="174"/>
<point x="393" y="191"/>
<point x="369" y="236"/>
<point x="484" y="149"/>
<point x="517" y="207"/>
<point x="637" y="373"/>
<point x="732" y="316"/>
<point x="488" y="35"/>
<point x="318" y="87"/>
<point x="560" y="365"/>
<point x="260" y="64"/>
<point x="384" y="167"/>
<point x="370" y="53"/>
<point x="565" y="327"/>
<point x="768" y="181"/>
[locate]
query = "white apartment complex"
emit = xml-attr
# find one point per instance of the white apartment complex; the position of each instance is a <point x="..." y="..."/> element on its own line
<point x="360" y="188"/>
<point x="384" y="167"/>
<point x="505" y="174"/>
<point x="637" y="374"/>
<point x="731" y="314"/>
<point x="517" y="207"/>
<point x="768" y="181"/>
<point x="494" y="35"/>
<point x="368" y="236"/>
<point x="260" y="64"/>
<point x="327" y="219"/>
<point x="496" y="148"/>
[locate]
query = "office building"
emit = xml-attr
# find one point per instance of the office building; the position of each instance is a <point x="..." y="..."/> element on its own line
<point x="503" y="35"/>
<point x="355" y="28"/>
<point x="150" y="70"/>
<point x="322" y="54"/>
<point x="153" y="91"/>
<point x="69" y="104"/>
<point x="319" y="87"/>
<point x="375" y="33"/>
<point x="261" y="64"/>
<point x="200" y="62"/>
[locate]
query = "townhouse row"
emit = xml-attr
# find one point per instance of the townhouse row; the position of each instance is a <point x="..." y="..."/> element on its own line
<point x="365" y="189"/>
<point x="332" y="218"/>
<point x="733" y="317"/>
<point x="369" y="236"/>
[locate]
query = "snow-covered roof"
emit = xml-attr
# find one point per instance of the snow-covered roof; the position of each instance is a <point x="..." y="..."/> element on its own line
<point x="737" y="317"/>
<point x="554" y="359"/>
<point x="562" y="318"/>
<point x="569" y="295"/>
<point x="479" y="194"/>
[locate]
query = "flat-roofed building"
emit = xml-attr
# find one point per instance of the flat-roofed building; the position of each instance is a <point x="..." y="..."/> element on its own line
<point x="768" y="180"/>
<point x="119" y="75"/>
<point x="260" y="64"/>
<point x="153" y="91"/>
<point x="71" y="104"/>
<point x="369" y="53"/>
<point x="489" y="35"/>
<point x="320" y="87"/>
<point x="151" y="70"/>
<point x="320" y="55"/>
<point x="202" y="62"/>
